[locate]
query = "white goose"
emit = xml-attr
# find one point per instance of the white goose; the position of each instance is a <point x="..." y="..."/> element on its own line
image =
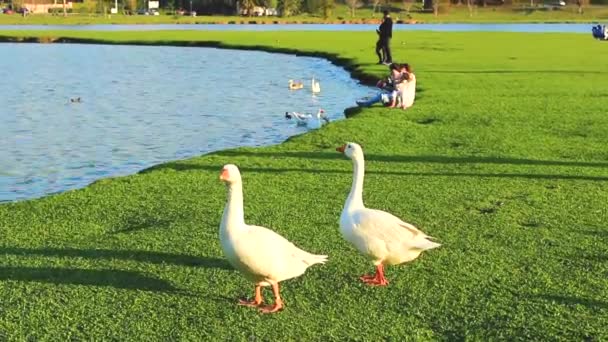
<point x="315" y="86"/>
<point x="300" y="118"/>
<point x="385" y="238"/>
<point x="261" y="255"/>
<point x="308" y="120"/>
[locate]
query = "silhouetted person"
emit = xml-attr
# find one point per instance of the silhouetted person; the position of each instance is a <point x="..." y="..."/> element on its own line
<point x="379" y="48"/>
<point x="386" y="33"/>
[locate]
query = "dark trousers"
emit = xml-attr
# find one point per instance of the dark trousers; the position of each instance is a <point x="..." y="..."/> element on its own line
<point x="386" y="50"/>
<point x="379" y="51"/>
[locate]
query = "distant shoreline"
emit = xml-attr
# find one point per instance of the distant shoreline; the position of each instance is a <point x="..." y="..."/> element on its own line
<point x="307" y="22"/>
<point x="340" y="16"/>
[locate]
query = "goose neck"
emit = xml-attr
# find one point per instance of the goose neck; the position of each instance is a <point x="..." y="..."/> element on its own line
<point x="234" y="216"/>
<point x="355" y="198"/>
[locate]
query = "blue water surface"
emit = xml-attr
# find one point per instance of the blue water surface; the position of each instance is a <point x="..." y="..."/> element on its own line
<point x="144" y="105"/>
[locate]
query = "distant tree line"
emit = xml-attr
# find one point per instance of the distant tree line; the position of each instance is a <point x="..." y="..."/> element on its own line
<point x="326" y="7"/>
<point x="323" y="8"/>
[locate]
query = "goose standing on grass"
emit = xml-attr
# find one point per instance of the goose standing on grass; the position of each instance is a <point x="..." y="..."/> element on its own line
<point x="315" y="86"/>
<point x="295" y="85"/>
<point x="261" y="255"/>
<point x="385" y="238"/>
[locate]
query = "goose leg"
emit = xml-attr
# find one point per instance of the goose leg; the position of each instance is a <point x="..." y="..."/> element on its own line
<point x="257" y="301"/>
<point x="278" y="302"/>
<point x="368" y="277"/>
<point x="377" y="279"/>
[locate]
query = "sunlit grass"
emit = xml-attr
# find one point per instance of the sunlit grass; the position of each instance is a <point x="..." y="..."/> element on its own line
<point x="503" y="158"/>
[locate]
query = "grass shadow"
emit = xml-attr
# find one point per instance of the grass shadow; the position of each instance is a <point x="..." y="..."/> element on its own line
<point x="188" y="167"/>
<point x="397" y="159"/>
<point x="352" y="111"/>
<point x="411" y="159"/>
<point x="553" y="72"/>
<point x="133" y="255"/>
<point x="569" y="301"/>
<point x="138" y="224"/>
<point x="595" y="232"/>
<point x="595" y="258"/>
<point x="71" y="276"/>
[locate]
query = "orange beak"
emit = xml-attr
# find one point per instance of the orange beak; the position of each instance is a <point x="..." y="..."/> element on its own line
<point x="341" y="148"/>
<point x="224" y="175"/>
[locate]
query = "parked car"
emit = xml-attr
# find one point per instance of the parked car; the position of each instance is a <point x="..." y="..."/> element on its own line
<point x="142" y="12"/>
<point x="153" y="12"/>
<point x="7" y="11"/>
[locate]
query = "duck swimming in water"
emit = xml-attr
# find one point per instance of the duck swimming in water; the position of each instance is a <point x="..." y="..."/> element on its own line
<point x="309" y="120"/>
<point x="295" y="85"/>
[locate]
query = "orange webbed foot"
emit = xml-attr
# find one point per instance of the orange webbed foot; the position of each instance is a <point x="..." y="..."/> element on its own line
<point x="376" y="282"/>
<point x="251" y="303"/>
<point x="377" y="279"/>
<point x="272" y="308"/>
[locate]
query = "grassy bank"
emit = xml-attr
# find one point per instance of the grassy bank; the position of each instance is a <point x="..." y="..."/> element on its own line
<point x="452" y="14"/>
<point x="503" y="158"/>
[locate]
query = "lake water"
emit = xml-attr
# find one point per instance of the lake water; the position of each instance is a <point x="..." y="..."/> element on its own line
<point x="537" y="28"/>
<point x="144" y="105"/>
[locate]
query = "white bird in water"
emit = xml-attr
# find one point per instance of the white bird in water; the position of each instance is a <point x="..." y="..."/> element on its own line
<point x="311" y="121"/>
<point x="315" y="86"/>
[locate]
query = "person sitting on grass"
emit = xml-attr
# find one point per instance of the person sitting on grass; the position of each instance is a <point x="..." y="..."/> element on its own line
<point x="408" y="88"/>
<point x="390" y="94"/>
<point x="385" y="96"/>
<point x="398" y="77"/>
<point x="600" y="32"/>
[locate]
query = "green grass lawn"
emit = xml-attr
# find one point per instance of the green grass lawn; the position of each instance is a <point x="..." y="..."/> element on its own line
<point x="503" y="158"/>
<point x="451" y="14"/>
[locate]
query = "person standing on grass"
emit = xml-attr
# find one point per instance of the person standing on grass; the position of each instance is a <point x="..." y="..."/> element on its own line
<point x="386" y="33"/>
<point x="379" y="48"/>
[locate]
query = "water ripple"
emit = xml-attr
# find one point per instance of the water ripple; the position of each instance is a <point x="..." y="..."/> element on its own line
<point x="145" y="105"/>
